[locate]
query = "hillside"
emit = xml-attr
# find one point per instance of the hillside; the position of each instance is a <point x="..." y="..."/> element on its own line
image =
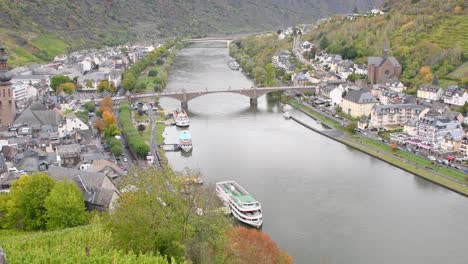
<point x="420" y="33"/>
<point x="37" y="30"/>
<point x="73" y="245"/>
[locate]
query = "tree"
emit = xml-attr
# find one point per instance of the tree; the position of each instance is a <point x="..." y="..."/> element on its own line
<point x="426" y="74"/>
<point x="252" y="246"/>
<point x="393" y="147"/>
<point x="65" y="206"/>
<point x="26" y="206"/>
<point x="269" y="75"/>
<point x="89" y="84"/>
<point x="159" y="214"/>
<point x="67" y="88"/>
<point x="99" y="125"/>
<point x="90" y="107"/>
<point x="324" y="43"/>
<point x="259" y="75"/>
<point x="104" y="86"/>
<point x="58" y="80"/>
<point x="106" y="104"/>
<point x="140" y="86"/>
<point x="129" y="81"/>
<point x="111" y="131"/>
<point x="351" y="128"/>
<point x="108" y="118"/>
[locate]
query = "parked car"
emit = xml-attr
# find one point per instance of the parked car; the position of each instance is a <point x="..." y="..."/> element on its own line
<point x="409" y="150"/>
<point x="431" y="158"/>
<point x="125" y="159"/>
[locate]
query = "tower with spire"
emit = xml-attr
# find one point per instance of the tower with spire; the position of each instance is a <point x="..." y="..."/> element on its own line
<point x="7" y="100"/>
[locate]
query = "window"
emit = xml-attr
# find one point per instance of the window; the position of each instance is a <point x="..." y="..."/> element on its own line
<point x="387" y="72"/>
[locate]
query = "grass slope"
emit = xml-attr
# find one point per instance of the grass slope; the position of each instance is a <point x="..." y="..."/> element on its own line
<point x="86" y="244"/>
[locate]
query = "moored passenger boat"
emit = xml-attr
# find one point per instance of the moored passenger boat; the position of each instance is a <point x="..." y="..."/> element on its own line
<point x="181" y="118"/>
<point x="244" y="207"/>
<point x="185" y="141"/>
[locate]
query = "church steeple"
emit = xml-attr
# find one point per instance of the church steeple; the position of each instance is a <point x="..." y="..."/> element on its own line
<point x="385" y="50"/>
<point x="5" y="77"/>
<point x="7" y="98"/>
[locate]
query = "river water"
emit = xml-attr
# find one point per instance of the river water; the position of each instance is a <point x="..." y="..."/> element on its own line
<point x="322" y="201"/>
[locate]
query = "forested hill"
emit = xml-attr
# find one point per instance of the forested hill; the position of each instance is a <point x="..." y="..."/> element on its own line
<point x="38" y="30"/>
<point x="421" y="33"/>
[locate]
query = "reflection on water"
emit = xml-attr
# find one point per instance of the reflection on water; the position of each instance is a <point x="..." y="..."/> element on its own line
<point x="323" y="202"/>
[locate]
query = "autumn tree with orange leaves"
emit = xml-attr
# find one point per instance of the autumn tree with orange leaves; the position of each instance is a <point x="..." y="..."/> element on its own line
<point x="108" y="118"/>
<point x="106" y="104"/>
<point x="426" y="74"/>
<point x="252" y="246"/>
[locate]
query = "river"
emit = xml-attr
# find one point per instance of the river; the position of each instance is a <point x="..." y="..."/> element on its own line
<point x="322" y="201"/>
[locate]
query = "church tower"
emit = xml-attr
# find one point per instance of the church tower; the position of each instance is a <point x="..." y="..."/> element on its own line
<point x="7" y="100"/>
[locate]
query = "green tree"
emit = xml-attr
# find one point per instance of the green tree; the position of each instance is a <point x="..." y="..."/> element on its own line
<point x="159" y="214"/>
<point x="129" y="81"/>
<point x="351" y="128"/>
<point x="111" y="131"/>
<point x="65" y="206"/>
<point x="67" y="88"/>
<point x="269" y="75"/>
<point x="324" y="43"/>
<point x="58" y="80"/>
<point x="26" y="206"/>
<point x="259" y="75"/>
<point x="88" y="84"/>
<point x="90" y="107"/>
<point x="103" y="86"/>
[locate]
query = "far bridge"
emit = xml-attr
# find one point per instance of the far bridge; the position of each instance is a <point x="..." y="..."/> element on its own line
<point x="185" y="96"/>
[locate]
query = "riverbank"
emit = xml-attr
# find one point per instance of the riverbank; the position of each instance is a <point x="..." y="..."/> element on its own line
<point x="416" y="165"/>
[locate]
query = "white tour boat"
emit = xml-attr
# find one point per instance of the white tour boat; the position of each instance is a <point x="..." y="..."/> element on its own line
<point x="185" y="141"/>
<point x="181" y="118"/>
<point x="242" y="205"/>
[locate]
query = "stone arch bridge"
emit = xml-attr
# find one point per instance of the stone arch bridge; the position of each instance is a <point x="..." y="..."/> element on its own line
<point x="185" y="96"/>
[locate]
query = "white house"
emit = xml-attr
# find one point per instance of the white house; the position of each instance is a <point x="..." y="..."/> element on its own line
<point x="430" y="92"/>
<point x="336" y="95"/>
<point x="455" y="95"/>
<point x="71" y="124"/>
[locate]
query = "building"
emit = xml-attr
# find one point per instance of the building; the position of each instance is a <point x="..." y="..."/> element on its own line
<point x="383" y="69"/>
<point x="391" y="116"/>
<point x="99" y="192"/>
<point x="358" y="102"/>
<point x="452" y="141"/>
<point x="455" y="95"/>
<point x="430" y="92"/>
<point x="464" y="146"/>
<point x="7" y="99"/>
<point x="432" y="130"/>
<point x="333" y="92"/>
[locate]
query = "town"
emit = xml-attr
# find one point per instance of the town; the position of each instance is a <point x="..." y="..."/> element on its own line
<point x="336" y="132"/>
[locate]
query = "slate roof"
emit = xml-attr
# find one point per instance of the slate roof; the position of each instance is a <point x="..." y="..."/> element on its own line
<point x="90" y="184"/>
<point x="360" y="96"/>
<point x="377" y="61"/>
<point x="37" y="117"/>
<point x="429" y="88"/>
<point x="381" y="109"/>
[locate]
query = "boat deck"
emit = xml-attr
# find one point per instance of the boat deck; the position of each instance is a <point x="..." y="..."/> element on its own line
<point x="241" y="196"/>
